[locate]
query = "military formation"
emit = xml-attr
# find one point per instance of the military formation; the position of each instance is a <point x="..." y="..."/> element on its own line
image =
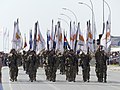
<point x="67" y="63"/>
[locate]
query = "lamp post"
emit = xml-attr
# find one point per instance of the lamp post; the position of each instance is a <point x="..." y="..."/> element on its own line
<point x="109" y="10"/>
<point x="71" y="12"/>
<point x="64" y="21"/>
<point x="66" y="16"/>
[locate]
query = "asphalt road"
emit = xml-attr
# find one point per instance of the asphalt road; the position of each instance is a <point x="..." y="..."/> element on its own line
<point x="23" y="83"/>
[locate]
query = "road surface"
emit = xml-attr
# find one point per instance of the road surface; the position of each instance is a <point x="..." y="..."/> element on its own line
<point x="23" y="83"/>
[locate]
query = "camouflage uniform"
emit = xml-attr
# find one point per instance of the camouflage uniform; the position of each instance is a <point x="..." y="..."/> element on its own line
<point x="85" y="60"/>
<point x="52" y="65"/>
<point x="101" y="66"/>
<point x="27" y="62"/>
<point x="13" y="65"/>
<point x="71" y="64"/>
<point x="24" y="57"/>
<point x="33" y="64"/>
<point x="46" y="65"/>
<point x="62" y="64"/>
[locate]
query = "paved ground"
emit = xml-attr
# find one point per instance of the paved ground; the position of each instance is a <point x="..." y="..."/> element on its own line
<point x="23" y="83"/>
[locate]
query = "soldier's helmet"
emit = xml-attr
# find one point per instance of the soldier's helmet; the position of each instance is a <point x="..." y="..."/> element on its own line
<point x="12" y="51"/>
<point x="24" y="52"/>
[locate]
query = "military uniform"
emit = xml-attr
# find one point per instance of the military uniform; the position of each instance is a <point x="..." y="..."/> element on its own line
<point x="52" y="66"/>
<point x="13" y="65"/>
<point x="101" y="65"/>
<point x="71" y="66"/>
<point x="62" y="64"/>
<point x="33" y="61"/>
<point x="85" y="60"/>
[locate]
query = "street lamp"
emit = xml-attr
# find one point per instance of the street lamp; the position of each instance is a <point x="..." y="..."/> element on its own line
<point x="66" y="16"/>
<point x="109" y="9"/>
<point x="71" y="12"/>
<point x="64" y="21"/>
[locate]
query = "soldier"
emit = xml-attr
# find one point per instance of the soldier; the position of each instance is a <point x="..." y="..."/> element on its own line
<point x="1" y="64"/>
<point x="24" y="57"/>
<point x="85" y="60"/>
<point x="83" y="64"/>
<point x="46" y="65"/>
<point x="74" y="65"/>
<point x="105" y="66"/>
<point x="101" y="66"/>
<point x="71" y="62"/>
<point x="13" y="65"/>
<point x="62" y="63"/>
<point x="33" y="64"/>
<point x="52" y="62"/>
<point x="27" y="62"/>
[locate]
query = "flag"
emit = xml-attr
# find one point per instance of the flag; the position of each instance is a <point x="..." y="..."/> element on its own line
<point x="72" y="35"/>
<point x="48" y="39"/>
<point x="81" y="40"/>
<point x="40" y="40"/>
<point x="25" y="43"/>
<point x="76" y="37"/>
<point x="89" y="41"/>
<point x="59" y="45"/>
<point x="30" y="40"/>
<point x="52" y="37"/>
<point x="94" y="34"/>
<point x="35" y="37"/>
<point x="17" y="41"/>
<point x="106" y="38"/>
<point x="65" y="41"/>
<point x="109" y="31"/>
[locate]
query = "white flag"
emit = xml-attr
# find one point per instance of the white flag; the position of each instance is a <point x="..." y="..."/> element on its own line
<point x="89" y="41"/>
<point x="17" y="41"/>
<point x="40" y="40"/>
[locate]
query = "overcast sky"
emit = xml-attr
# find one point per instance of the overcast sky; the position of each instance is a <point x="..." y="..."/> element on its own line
<point x="29" y="11"/>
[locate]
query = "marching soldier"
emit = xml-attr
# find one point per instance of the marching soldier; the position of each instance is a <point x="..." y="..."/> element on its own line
<point x="46" y="64"/>
<point x="62" y="63"/>
<point x="33" y="65"/>
<point x="52" y="64"/>
<point x="83" y="64"/>
<point x="24" y="57"/>
<point x="85" y="60"/>
<point x="71" y="64"/>
<point x="101" y="65"/>
<point x="13" y="65"/>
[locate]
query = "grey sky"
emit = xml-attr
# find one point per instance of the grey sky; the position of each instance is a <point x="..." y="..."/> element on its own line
<point x="29" y="11"/>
